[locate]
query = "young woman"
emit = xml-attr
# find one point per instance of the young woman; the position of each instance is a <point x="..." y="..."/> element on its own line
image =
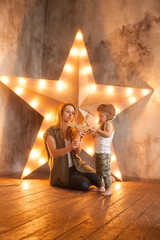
<point x="66" y="168"/>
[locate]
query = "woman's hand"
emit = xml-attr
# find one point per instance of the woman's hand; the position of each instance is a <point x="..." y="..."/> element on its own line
<point x="75" y="144"/>
<point x="80" y="135"/>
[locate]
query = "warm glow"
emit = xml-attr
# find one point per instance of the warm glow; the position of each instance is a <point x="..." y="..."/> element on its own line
<point x="117" y="110"/>
<point x="88" y="69"/>
<point x="79" y="36"/>
<point x="117" y="174"/>
<point x="42" y="161"/>
<point x="34" y="153"/>
<point x="110" y="89"/>
<point x="4" y="79"/>
<point x="132" y="99"/>
<point x="18" y="90"/>
<point x="68" y="68"/>
<point x="25" y="184"/>
<point x="83" y="52"/>
<point x="60" y="85"/>
<point x="117" y="186"/>
<point x="33" y="103"/>
<point x="145" y="91"/>
<point x="113" y="158"/>
<point x="129" y="91"/>
<point x="42" y="83"/>
<point x="22" y="81"/>
<point x="93" y="87"/>
<point x="48" y="116"/>
<point x="90" y="151"/>
<point x="26" y="171"/>
<point x="40" y="134"/>
<point x="74" y="51"/>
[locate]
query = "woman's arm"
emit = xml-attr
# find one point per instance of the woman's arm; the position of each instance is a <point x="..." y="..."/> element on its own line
<point x="51" y="143"/>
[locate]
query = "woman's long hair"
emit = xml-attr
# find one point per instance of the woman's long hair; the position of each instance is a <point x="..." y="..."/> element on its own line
<point x="69" y="131"/>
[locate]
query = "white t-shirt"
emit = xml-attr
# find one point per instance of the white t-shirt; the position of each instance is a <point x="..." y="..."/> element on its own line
<point x="103" y="144"/>
<point x="70" y="162"/>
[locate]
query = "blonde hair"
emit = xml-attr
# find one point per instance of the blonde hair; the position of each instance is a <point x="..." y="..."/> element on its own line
<point x="69" y="131"/>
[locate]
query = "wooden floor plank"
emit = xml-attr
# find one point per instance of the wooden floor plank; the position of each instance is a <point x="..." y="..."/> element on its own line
<point x="94" y="225"/>
<point x="35" y="210"/>
<point x="80" y="215"/>
<point x="143" y="225"/>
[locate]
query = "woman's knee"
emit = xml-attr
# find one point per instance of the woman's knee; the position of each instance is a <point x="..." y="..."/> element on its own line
<point x="85" y="185"/>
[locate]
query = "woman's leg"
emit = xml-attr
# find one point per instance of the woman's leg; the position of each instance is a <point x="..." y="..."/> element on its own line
<point x="81" y="181"/>
<point x="77" y="182"/>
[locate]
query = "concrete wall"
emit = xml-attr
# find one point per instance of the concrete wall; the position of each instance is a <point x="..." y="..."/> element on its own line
<point x="122" y="39"/>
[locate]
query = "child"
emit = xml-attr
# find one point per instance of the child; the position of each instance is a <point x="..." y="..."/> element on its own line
<point x="102" y="147"/>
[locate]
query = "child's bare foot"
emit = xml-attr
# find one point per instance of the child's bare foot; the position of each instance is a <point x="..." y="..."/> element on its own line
<point x="107" y="192"/>
<point x="112" y="179"/>
<point x="101" y="189"/>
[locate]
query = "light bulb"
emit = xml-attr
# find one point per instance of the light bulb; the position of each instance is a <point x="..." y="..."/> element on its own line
<point x="60" y="85"/>
<point x="117" y="174"/>
<point x="34" y="153"/>
<point x="74" y="51"/>
<point x="42" y="161"/>
<point x="145" y="91"/>
<point x="40" y="134"/>
<point x="42" y="83"/>
<point x="129" y="91"/>
<point x="113" y="158"/>
<point x="88" y="69"/>
<point x="93" y="87"/>
<point x="4" y="79"/>
<point x="33" y="103"/>
<point x="83" y="52"/>
<point x="18" y="90"/>
<point x="68" y="68"/>
<point x="132" y="99"/>
<point x="79" y="36"/>
<point x="117" y="110"/>
<point x="110" y="89"/>
<point x="26" y="171"/>
<point x="48" y="116"/>
<point x="22" y="81"/>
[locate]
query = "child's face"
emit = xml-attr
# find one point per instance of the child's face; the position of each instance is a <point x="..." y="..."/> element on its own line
<point x="102" y="118"/>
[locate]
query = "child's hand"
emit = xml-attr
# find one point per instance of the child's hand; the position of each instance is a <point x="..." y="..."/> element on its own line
<point x="92" y="131"/>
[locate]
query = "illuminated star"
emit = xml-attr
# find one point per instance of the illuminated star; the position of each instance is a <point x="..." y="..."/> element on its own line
<point x="76" y="85"/>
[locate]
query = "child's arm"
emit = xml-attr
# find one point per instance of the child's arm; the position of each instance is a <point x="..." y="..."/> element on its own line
<point x="108" y="130"/>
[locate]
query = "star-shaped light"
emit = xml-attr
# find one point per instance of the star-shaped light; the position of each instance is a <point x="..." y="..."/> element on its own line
<point x="76" y="85"/>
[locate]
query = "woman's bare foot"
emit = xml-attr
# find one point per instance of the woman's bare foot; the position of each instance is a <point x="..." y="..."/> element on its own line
<point x="101" y="189"/>
<point x="107" y="192"/>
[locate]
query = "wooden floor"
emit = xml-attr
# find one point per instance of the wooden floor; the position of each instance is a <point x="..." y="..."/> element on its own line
<point x="34" y="210"/>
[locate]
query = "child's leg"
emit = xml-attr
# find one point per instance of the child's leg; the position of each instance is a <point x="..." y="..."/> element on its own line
<point x="99" y="175"/>
<point x="107" y="175"/>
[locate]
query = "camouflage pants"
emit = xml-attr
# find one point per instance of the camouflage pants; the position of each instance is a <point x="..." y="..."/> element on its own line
<point x="102" y="161"/>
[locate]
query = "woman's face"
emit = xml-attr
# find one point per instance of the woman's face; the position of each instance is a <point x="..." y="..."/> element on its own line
<point x="68" y="113"/>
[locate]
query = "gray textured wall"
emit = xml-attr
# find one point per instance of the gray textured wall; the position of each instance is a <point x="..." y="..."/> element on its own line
<point x="122" y="39"/>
